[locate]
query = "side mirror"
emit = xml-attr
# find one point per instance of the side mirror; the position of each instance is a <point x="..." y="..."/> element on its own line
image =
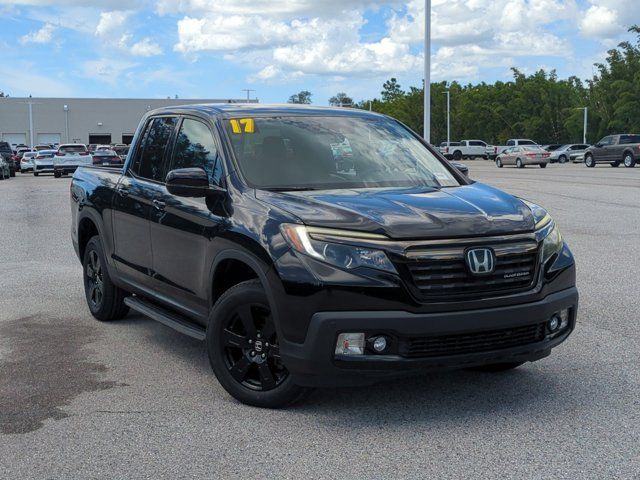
<point x="191" y="182"/>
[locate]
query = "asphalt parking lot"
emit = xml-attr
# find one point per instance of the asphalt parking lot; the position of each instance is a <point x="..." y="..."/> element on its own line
<point x="134" y="399"/>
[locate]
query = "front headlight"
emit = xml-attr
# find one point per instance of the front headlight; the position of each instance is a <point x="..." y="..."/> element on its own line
<point x="343" y="256"/>
<point x="546" y="227"/>
<point x="551" y="244"/>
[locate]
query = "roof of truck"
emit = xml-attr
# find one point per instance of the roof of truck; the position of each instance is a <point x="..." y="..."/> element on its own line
<point x="257" y="109"/>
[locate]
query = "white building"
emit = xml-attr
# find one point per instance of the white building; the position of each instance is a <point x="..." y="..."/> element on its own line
<point x="79" y="120"/>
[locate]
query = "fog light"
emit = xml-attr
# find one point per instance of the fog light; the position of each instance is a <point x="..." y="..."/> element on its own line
<point x="379" y="344"/>
<point x="350" y="344"/>
<point x="554" y="323"/>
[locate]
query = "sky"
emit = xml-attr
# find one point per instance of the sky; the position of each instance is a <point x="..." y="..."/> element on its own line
<point x="218" y="48"/>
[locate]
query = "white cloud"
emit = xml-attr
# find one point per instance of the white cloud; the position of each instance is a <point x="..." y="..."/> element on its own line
<point x="600" y="21"/>
<point x="111" y="22"/>
<point x="44" y="35"/>
<point x="323" y="38"/>
<point x="145" y="48"/>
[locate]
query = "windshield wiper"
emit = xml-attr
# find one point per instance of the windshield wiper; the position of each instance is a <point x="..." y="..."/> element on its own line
<point x="291" y="189"/>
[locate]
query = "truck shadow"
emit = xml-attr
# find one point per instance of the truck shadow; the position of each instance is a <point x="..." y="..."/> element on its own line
<point x="532" y="390"/>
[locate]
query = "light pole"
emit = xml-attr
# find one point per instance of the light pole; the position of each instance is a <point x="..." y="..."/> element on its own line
<point x="427" y="71"/>
<point x="448" y="94"/>
<point x="584" y="128"/>
<point x="30" y="102"/>
<point x="66" y="122"/>
<point x="248" y="90"/>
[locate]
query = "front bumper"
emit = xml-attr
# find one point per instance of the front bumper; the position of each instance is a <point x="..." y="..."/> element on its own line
<point x="313" y="363"/>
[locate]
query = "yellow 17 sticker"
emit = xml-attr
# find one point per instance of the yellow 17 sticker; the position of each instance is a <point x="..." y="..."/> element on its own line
<point x="240" y="125"/>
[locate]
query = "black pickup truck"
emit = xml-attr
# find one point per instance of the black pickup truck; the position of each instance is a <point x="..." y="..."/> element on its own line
<point x="240" y="226"/>
<point x="614" y="150"/>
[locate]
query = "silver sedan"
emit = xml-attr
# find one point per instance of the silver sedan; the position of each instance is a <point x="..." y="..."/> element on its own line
<point x="522" y="156"/>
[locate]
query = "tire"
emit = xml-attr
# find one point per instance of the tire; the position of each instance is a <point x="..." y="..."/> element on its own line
<point x="104" y="299"/>
<point x="629" y="161"/>
<point x="519" y="163"/>
<point x="543" y="165"/>
<point x="12" y="173"/>
<point x="499" y="163"/>
<point x="57" y="174"/>
<point x="22" y="171"/>
<point x="562" y="159"/>
<point x="457" y="155"/>
<point x="496" y="367"/>
<point x="615" y="164"/>
<point x="35" y="174"/>
<point x="589" y="161"/>
<point x="239" y="321"/>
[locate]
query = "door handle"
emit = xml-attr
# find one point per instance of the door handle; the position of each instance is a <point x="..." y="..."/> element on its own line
<point x="159" y="205"/>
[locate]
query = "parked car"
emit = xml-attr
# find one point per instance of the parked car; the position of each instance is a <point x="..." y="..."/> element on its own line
<point x="43" y="162"/>
<point x="43" y="146"/>
<point x="91" y="148"/>
<point x="577" y="157"/>
<point x="103" y="147"/>
<point x="296" y="275"/>
<point x="563" y="153"/>
<point x="552" y="147"/>
<point x="446" y="148"/>
<point x="469" y="149"/>
<point x="4" y="169"/>
<point x="462" y="167"/>
<point x="68" y="157"/>
<point x="26" y="162"/>
<point x="107" y="158"/>
<point x="614" y="150"/>
<point x="122" y="150"/>
<point x="523" y="156"/>
<point x="513" y="142"/>
<point x="7" y="154"/>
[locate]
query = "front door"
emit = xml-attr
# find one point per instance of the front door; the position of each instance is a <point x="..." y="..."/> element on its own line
<point x="133" y="202"/>
<point x="184" y="230"/>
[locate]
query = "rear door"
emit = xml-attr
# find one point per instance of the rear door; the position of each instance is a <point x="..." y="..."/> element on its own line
<point x="133" y="201"/>
<point x="184" y="230"/>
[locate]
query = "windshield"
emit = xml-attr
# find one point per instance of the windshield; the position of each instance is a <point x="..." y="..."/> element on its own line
<point x="73" y="149"/>
<point x="294" y="153"/>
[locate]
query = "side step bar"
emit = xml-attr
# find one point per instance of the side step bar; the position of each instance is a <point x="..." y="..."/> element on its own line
<point x="165" y="317"/>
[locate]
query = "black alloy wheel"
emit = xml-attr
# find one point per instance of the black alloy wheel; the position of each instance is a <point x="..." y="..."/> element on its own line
<point x="95" y="281"/>
<point x="244" y="351"/>
<point x="251" y="350"/>
<point x="104" y="299"/>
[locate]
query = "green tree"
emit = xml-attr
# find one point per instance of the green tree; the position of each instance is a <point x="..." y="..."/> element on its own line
<point x="303" y="97"/>
<point x="391" y="90"/>
<point x="341" y="100"/>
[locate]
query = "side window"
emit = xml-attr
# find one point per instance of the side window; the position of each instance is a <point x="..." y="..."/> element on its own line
<point x="195" y="147"/>
<point x="606" y="141"/>
<point x="148" y="161"/>
<point x="510" y="143"/>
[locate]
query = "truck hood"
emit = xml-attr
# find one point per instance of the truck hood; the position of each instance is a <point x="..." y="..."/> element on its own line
<point x="412" y="213"/>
